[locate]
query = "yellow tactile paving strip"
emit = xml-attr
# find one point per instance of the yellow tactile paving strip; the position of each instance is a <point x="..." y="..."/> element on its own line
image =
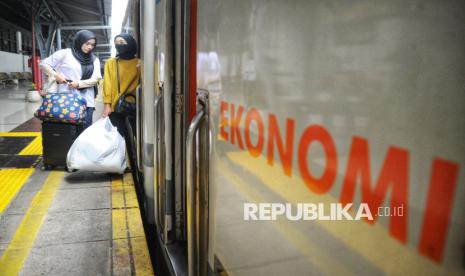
<point x="19" y="134"/>
<point x="130" y="252"/>
<point x="11" y="181"/>
<point x="34" y="148"/>
<point x="13" y="258"/>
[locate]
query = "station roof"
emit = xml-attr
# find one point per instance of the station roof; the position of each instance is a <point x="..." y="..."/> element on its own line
<point x="74" y="15"/>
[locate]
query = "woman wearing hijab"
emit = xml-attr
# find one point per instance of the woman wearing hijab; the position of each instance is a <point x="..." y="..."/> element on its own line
<point x="77" y="69"/>
<point x="121" y="74"/>
<point x="126" y="64"/>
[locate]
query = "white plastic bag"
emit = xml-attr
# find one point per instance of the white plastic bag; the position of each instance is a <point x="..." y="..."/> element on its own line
<point x="99" y="148"/>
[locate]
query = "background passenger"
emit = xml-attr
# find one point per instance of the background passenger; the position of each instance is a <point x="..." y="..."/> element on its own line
<point x="77" y="69"/>
<point x="129" y="75"/>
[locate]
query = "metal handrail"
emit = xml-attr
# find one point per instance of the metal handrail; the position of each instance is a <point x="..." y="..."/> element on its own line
<point x="156" y="158"/>
<point x="190" y="193"/>
<point x="138" y="129"/>
<point x="203" y="183"/>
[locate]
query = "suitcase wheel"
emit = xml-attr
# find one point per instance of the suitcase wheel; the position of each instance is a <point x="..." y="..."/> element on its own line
<point x="46" y="167"/>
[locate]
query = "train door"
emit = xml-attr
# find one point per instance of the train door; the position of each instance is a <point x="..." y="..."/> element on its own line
<point x="162" y="146"/>
<point x="164" y="188"/>
<point x="194" y="129"/>
<point x="190" y="144"/>
<point x="146" y="115"/>
<point x="174" y="128"/>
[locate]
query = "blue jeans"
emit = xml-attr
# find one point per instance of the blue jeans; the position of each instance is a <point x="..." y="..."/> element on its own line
<point x="88" y="119"/>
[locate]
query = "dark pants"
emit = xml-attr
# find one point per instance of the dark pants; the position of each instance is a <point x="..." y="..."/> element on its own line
<point x="88" y="119"/>
<point x="127" y="128"/>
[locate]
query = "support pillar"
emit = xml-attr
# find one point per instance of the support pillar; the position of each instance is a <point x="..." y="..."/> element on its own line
<point x="36" y="74"/>
<point x="59" y="37"/>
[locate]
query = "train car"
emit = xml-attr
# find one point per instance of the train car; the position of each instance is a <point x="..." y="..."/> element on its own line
<point x="303" y="137"/>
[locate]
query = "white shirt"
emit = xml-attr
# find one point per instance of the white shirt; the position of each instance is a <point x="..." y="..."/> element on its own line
<point x="66" y="64"/>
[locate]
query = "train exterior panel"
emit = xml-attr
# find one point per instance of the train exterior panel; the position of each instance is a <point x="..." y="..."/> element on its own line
<point x="327" y="102"/>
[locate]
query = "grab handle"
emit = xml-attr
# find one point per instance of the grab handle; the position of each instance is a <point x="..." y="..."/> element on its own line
<point x="138" y="129"/>
<point x="191" y="193"/>
<point x="157" y="157"/>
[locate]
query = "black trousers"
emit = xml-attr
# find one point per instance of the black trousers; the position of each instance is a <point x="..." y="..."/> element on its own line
<point x="126" y="126"/>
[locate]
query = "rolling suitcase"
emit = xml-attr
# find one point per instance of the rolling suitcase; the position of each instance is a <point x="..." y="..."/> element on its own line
<point x="57" y="138"/>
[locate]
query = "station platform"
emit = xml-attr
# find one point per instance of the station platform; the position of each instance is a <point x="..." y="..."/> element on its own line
<point x="60" y="223"/>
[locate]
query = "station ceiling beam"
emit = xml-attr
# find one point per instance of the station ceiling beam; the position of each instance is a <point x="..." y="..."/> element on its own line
<point x="80" y="8"/>
<point x="94" y="27"/>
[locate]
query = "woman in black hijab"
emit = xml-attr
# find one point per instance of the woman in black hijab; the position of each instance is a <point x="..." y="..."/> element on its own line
<point x="77" y="69"/>
<point x="83" y="44"/>
<point x="121" y="72"/>
<point x="122" y="75"/>
<point x="126" y="47"/>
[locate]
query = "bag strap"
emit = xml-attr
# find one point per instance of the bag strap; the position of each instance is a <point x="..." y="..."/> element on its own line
<point x="117" y="76"/>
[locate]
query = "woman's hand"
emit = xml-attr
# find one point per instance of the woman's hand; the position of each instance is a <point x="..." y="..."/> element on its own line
<point x="73" y="84"/>
<point x="106" y="110"/>
<point x="59" y="78"/>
